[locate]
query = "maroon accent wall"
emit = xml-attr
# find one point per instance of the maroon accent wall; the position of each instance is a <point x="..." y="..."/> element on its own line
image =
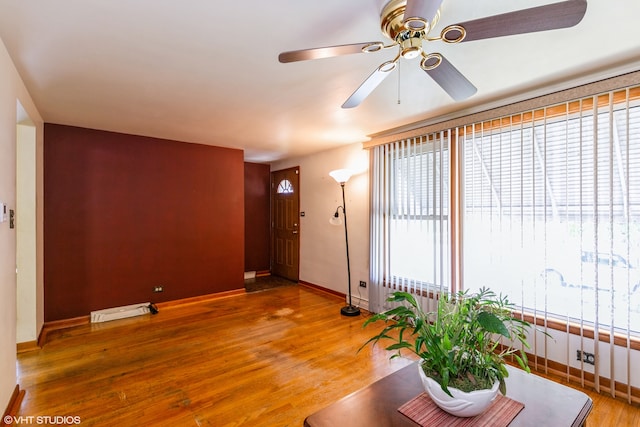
<point x="257" y="202"/>
<point x="125" y="213"/>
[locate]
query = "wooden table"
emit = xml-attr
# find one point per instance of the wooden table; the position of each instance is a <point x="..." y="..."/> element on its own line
<point x="546" y="403"/>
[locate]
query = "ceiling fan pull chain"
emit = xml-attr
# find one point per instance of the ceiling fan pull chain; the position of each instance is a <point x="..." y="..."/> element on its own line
<point x="399" y="77"/>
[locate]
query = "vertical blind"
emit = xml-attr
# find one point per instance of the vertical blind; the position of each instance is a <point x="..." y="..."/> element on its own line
<point x="557" y="198"/>
<point x="549" y="215"/>
<point x="409" y="217"/>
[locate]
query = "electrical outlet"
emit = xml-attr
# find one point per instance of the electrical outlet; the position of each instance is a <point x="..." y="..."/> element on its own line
<point x="158" y="289"/>
<point x="363" y="284"/>
<point x="589" y="358"/>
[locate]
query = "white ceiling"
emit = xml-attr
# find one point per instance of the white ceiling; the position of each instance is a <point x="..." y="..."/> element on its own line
<point x="206" y="71"/>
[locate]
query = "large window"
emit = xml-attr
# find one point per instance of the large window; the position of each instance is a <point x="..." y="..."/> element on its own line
<point x="541" y="203"/>
<point x="551" y="209"/>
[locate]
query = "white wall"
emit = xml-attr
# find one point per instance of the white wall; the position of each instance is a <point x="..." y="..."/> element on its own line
<point x="12" y="91"/>
<point x="322" y="246"/>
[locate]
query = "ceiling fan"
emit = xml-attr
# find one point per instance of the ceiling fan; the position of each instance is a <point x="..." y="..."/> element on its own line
<point x="407" y="24"/>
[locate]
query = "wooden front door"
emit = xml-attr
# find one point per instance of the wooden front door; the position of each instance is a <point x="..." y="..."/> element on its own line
<point x="285" y="219"/>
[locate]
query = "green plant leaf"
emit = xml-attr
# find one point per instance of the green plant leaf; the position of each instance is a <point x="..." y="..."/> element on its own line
<point x="456" y="341"/>
<point x="503" y="387"/>
<point x="445" y="383"/>
<point x="523" y="363"/>
<point x="492" y="323"/>
<point x="399" y="345"/>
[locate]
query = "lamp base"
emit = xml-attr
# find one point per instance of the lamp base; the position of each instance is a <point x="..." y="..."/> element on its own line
<point x="350" y="310"/>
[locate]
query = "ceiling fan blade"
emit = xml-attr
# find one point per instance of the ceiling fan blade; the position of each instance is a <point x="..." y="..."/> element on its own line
<point x="450" y="79"/>
<point x="425" y="9"/>
<point x="564" y="14"/>
<point x="369" y="84"/>
<point x="329" y="51"/>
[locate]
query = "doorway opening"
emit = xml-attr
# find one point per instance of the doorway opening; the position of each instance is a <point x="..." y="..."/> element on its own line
<point x="28" y="297"/>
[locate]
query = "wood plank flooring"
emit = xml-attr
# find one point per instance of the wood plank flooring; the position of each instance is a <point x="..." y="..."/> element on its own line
<point x="268" y="358"/>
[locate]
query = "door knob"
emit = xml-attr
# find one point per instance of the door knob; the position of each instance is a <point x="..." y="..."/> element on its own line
<point x="295" y="231"/>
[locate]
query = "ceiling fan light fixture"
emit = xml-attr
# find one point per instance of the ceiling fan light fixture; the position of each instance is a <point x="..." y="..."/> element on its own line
<point x="411" y="47"/>
<point x="453" y="34"/>
<point x="411" y="53"/>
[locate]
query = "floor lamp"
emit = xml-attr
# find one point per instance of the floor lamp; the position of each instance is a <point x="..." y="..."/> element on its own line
<point x="342" y="176"/>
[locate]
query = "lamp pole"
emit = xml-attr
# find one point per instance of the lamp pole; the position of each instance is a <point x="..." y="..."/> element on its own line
<point x="348" y="310"/>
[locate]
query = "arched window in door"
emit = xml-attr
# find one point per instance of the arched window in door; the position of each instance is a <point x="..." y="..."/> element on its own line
<point x="285" y="187"/>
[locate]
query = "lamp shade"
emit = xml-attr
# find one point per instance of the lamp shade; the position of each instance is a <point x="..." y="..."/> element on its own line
<point x="341" y="175"/>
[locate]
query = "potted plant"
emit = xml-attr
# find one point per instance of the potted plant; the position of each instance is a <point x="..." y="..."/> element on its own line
<point x="457" y="345"/>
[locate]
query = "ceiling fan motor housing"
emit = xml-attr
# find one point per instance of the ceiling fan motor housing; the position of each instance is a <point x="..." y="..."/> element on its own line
<point x="392" y="21"/>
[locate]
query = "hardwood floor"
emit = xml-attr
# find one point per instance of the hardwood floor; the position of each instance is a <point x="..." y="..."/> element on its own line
<point x="268" y="358"/>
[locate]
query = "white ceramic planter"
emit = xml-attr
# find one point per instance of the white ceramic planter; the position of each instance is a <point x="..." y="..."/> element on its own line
<point x="462" y="404"/>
